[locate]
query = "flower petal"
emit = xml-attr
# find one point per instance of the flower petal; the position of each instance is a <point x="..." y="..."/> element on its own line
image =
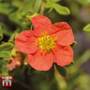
<point x="64" y="55"/>
<point x="25" y="42"/>
<point x="64" y="35"/>
<point x="49" y="30"/>
<point x="41" y="62"/>
<point x="63" y="26"/>
<point x="41" y="22"/>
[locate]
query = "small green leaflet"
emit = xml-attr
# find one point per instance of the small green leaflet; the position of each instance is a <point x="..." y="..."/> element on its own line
<point x="87" y="28"/>
<point x="61" y="9"/>
<point x="5" y="50"/>
<point x="54" y="1"/>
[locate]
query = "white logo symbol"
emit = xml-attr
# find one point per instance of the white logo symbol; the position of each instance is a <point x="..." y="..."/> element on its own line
<point x="7" y="81"/>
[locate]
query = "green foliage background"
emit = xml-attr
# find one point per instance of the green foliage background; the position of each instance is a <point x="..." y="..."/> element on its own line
<point x="14" y="16"/>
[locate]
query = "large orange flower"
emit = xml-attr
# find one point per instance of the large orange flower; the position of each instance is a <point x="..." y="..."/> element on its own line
<point x="46" y="44"/>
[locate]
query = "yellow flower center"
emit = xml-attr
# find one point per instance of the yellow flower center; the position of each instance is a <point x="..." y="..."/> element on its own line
<point x="46" y="42"/>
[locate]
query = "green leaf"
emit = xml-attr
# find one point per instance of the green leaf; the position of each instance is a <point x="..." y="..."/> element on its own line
<point x="84" y="2"/>
<point x="78" y="62"/>
<point x="1" y="35"/>
<point x="5" y="8"/>
<point x="5" y="54"/>
<point x="3" y="67"/>
<point x="37" y="5"/>
<point x="61" y="9"/>
<point x="1" y="32"/>
<point x="54" y="1"/>
<point x="49" y="4"/>
<point x="61" y="82"/>
<point x="84" y="58"/>
<point x="5" y="30"/>
<point x="87" y="28"/>
<point x="24" y="9"/>
<point x="83" y="85"/>
<point x="5" y="50"/>
<point x="6" y="46"/>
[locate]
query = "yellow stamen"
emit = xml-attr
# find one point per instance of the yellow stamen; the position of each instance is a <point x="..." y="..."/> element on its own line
<point x="46" y="42"/>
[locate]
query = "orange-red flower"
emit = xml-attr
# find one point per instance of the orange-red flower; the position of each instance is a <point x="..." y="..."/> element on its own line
<point x="14" y="62"/>
<point x="46" y="44"/>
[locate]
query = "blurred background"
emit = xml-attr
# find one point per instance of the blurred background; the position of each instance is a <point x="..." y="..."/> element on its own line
<point x="14" y="19"/>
